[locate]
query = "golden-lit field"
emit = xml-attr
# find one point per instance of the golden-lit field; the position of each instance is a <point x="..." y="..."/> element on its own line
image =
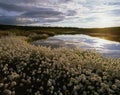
<point x="29" y="70"/>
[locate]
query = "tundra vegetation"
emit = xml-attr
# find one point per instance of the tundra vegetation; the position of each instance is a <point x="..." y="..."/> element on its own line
<point x="30" y="70"/>
<point x="36" y="33"/>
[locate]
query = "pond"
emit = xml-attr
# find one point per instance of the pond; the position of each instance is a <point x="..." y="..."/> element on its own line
<point x="105" y="47"/>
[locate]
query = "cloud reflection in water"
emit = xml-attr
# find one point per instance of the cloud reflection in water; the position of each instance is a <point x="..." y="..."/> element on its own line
<point x="106" y="47"/>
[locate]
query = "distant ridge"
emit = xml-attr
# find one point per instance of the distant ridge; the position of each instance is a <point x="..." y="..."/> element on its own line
<point x="20" y="26"/>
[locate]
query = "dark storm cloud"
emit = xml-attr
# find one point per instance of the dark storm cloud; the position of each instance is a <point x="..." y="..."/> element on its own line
<point x="31" y="14"/>
<point x="28" y="20"/>
<point x="34" y="1"/>
<point x="41" y="13"/>
<point x="18" y="1"/>
<point x="12" y="7"/>
<point x="14" y="20"/>
<point x="7" y="20"/>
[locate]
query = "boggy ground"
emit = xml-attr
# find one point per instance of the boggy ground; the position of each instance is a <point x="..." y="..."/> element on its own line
<point x="37" y="33"/>
<point x="29" y="70"/>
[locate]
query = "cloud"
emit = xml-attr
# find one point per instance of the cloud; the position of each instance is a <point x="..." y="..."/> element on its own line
<point x="15" y="14"/>
<point x="78" y="13"/>
<point x="8" y="20"/>
<point x="12" y="7"/>
<point x="115" y="12"/>
<point x="41" y="13"/>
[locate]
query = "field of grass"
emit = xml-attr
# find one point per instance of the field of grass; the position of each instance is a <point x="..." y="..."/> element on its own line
<point x="29" y="70"/>
<point x="36" y="33"/>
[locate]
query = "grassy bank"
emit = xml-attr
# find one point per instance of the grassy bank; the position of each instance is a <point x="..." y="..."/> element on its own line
<point x="31" y="70"/>
<point x="35" y="33"/>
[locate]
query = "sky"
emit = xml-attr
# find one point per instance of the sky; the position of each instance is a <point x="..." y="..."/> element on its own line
<point x="63" y="13"/>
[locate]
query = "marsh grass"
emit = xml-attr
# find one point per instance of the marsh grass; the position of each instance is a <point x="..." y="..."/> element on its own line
<point x="29" y="70"/>
<point x="36" y="37"/>
<point x="111" y="33"/>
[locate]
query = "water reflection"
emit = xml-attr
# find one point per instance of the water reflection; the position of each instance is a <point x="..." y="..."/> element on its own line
<point x="106" y="47"/>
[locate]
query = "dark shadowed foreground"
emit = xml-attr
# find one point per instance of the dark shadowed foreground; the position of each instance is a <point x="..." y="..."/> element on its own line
<point x="31" y="70"/>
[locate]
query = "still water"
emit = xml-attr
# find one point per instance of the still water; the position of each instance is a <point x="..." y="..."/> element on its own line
<point x="105" y="47"/>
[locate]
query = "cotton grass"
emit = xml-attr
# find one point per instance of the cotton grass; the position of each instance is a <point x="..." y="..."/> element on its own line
<point x="29" y="70"/>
